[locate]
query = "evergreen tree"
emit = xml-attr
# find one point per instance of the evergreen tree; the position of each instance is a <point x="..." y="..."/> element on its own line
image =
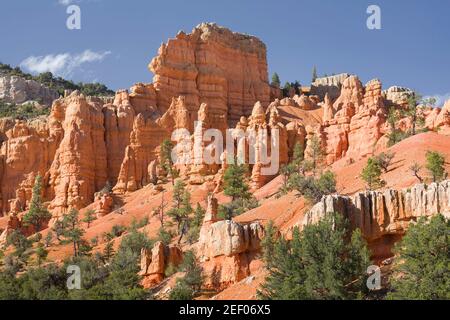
<point x="41" y="253"/>
<point x="314" y="74"/>
<point x="181" y="207"/>
<point x="196" y="224"/>
<point x="166" y="159"/>
<point x="276" y="80"/>
<point x="321" y="262"/>
<point x="371" y="174"/>
<point x="236" y="187"/>
<point x="287" y="89"/>
<point x="22" y="246"/>
<point x="234" y="182"/>
<point x="37" y="214"/>
<point x="89" y="216"/>
<point x="188" y="287"/>
<point x="423" y="268"/>
<point x="268" y="244"/>
<point x="436" y="165"/>
<point x="108" y="251"/>
<point x="315" y="153"/>
<point x="286" y="272"/>
<point x="164" y="236"/>
<point x="72" y="231"/>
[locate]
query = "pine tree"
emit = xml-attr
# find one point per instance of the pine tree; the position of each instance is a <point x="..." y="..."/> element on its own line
<point x="236" y="187"/>
<point x="72" y="231"/>
<point x="234" y="182"/>
<point x="37" y="214"/>
<point x="275" y="80"/>
<point x="166" y="159"/>
<point x="108" y="251"/>
<point x="314" y="74"/>
<point x="315" y="153"/>
<point x="196" y="223"/>
<point x="318" y="263"/>
<point x="188" y="287"/>
<point x="181" y="207"/>
<point x="268" y="244"/>
<point x="41" y="253"/>
<point x="435" y="165"/>
<point x="371" y="174"/>
<point x="89" y="216"/>
<point x="422" y="270"/>
<point x="286" y="272"/>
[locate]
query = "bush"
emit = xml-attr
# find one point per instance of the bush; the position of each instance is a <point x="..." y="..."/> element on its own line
<point x="314" y="189"/>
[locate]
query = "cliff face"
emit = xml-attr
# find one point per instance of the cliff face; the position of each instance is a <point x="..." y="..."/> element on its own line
<point x="224" y="69"/>
<point x="384" y="216"/>
<point x="14" y="89"/>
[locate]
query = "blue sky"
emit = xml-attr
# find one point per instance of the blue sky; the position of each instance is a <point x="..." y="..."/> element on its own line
<point x="118" y="38"/>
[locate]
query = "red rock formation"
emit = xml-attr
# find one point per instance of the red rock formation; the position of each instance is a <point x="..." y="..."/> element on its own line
<point x="214" y="65"/>
<point x="383" y="216"/>
<point x="155" y="261"/>
<point x="79" y="167"/>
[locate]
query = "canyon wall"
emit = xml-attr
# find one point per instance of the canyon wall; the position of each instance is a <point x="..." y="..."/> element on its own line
<point x="384" y="216"/>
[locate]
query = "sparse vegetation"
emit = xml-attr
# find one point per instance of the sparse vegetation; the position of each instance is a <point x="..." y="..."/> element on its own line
<point x="436" y="165"/>
<point x="415" y="169"/>
<point x="384" y="160"/>
<point x="371" y="174"/>
<point x="57" y="83"/>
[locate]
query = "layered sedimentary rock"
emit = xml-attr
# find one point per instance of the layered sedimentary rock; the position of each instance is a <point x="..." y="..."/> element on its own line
<point x="354" y="124"/>
<point x="226" y="248"/>
<point x="19" y="171"/>
<point x="213" y="65"/>
<point x="145" y="137"/>
<point x="383" y="215"/>
<point x="79" y="167"/>
<point x="328" y="85"/>
<point x="397" y="95"/>
<point x="14" y="89"/>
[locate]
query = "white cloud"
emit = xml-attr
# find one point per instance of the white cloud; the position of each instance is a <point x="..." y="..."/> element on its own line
<point x="440" y="98"/>
<point x="62" y="64"/>
<point x="65" y="2"/>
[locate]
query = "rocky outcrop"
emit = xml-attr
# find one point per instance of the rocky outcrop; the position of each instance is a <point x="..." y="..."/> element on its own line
<point x="397" y="95"/>
<point x="79" y="167"/>
<point x="224" y="69"/>
<point x="356" y="121"/>
<point x="384" y="215"/>
<point x="226" y="247"/>
<point x="328" y="85"/>
<point x="155" y="261"/>
<point x="14" y="89"/>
